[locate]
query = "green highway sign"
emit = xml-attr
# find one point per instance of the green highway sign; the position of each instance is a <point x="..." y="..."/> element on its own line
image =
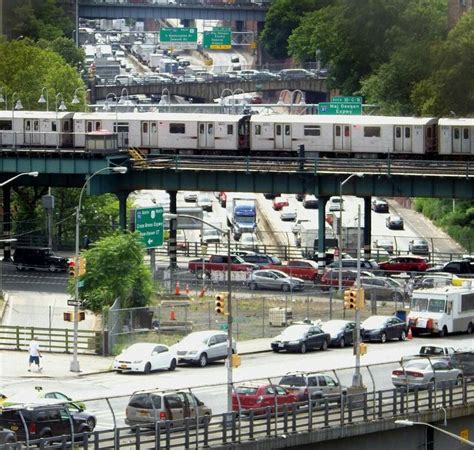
<point x="149" y="222"/>
<point x="179" y="38"/>
<point x="347" y="109"/>
<point x="217" y="39"/>
<point x="347" y="99"/>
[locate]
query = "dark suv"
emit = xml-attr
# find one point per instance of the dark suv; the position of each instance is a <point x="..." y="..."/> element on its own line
<point x="45" y="419"/>
<point x="39" y="258"/>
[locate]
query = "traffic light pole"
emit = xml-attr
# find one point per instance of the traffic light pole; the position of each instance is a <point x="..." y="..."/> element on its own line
<point x="229" y="327"/>
<point x="357" y="377"/>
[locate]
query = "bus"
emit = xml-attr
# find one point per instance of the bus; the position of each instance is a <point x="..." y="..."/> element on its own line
<point x="442" y="310"/>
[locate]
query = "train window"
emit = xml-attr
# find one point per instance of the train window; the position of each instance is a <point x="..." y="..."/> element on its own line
<point x="371" y="131"/>
<point x="347" y="132"/>
<point x="407" y="132"/>
<point x="27" y="125"/>
<point x="210" y="128"/>
<point x="36" y="126"/>
<point x="97" y="126"/>
<point x="312" y="130"/>
<point x="89" y="127"/>
<point x="398" y="132"/>
<point x="53" y="126"/>
<point x="456" y="133"/>
<point x="287" y="130"/>
<point x="338" y="130"/>
<point x="177" y="128"/>
<point x="5" y="125"/>
<point x="429" y="132"/>
<point x="153" y="127"/>
<point x="145" y="127"/>
<point x="121" y="127"/>
<point x="230" y="129"/>
<point x="66" y="126"/>
<point x="465" y="133"/>
<point x="258" y="130"/>
<point x="278" y="130"/>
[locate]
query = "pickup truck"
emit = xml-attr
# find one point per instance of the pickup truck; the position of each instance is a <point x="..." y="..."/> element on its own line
<point x="462" y="359"/>
<point x="219" y="263"/>
<point x="300" y="268"/>
<point x="460" y="267"/>
<point x="435" y="350"/>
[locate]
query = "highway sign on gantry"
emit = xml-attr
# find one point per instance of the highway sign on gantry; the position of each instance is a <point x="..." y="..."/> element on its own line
<point x="347" y="99"/>
<point x="217" y="39"/>
<point x="347" y="109"/>
<point x="149" y="222"/>
<point x="179" y="38"/>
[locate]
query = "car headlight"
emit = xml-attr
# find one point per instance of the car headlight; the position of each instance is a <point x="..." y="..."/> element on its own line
<point x="192" y="352"/>
<point x="293" y="342"/>
<point x="137" y="361"/>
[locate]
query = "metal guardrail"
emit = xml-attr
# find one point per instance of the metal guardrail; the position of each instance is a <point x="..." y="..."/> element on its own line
<point x="50" y="339"/>
<point x="234" y="428"/>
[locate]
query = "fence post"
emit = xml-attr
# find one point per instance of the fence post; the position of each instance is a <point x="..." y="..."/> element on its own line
<point x="66" y="341"/>
<point x="18" y="338"/>
<point x="263" y="317"/>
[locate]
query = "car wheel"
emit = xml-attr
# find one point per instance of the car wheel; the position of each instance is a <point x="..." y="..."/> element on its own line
<point x="52" y="268"/>
<point x="324" y="345"/>
<point x="469" y="328"/>
<point x="383" y="338"/>
<point x="443" y="332"/>
<point x="90" y="423"/>
<point x="458" y="381"/>
<point x="147" y="368"/>
<point x="199" y="274"/>
<point x="303" y="348"/>
<point x="342" y="343"/>
<point x="276" y="350"/>
<point x="403" y="335"/>
<point x="285" y="287"/>
<point x="253" y="286"/>
<point x="203" y="360"/>
<point x="172" y="365"/>
<point x="397" y="297"/>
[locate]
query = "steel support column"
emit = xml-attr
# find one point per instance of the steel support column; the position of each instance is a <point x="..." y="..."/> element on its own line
<point x="7" y="222"/>
<point x="322" y="233"/>
<point x="173" y="228"/>
<point x="367" y="227"/>
<point x="122" y="198"/>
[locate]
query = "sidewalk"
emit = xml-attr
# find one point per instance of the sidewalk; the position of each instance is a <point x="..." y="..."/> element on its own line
<point x="14" y="364"/>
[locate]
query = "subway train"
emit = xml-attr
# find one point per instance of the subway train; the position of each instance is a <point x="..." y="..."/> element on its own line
<point x="241" y="134"/>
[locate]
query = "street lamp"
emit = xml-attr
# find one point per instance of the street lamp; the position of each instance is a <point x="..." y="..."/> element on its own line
<point x="61" y="107"/>
<point x="75" y="99"/>
<point x="341" y="207"/>
<point x="74" y="367"/>
<point x="42" y="98"/>
<point x="168" y="98"/>
<point x="30" y="174"/>
<point x="229" y="300"/>
<point x="15" y="106"/>
<point x="410" y="423"/>
<point x="232" y="93"/>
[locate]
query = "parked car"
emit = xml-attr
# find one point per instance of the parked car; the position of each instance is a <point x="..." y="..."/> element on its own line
<point x="299" y="338"/>
<point x="310" y="202"/>
<point x="383" y="328"/>
<point x="7" y="437"/>
<point x="341" y="332"/>
<point x="422" y="373"/>
<point x="419" y="247"/>
<point x="202" y="347"/>
<point x="279" y="203"/>
<point x="274" y="279"/>
<point x="147" y="408"/>
<point x="46" y="418"/>
<point x="383" y="289"/>
<point x="145" y="357"/>
<point x="330" y="278"/>
<point x="379" y="206"/>
<point x="351" y="263"/>
<point x="313" y="385"/>
<point x="288" y="214"/>
<point x="385" y="244"/>
<point x="432" y="280"/>
<point x="259" y="397"/>
<point x="31" y="258"/>
<point x="404" y="264"/>
<point x="394" y="223"/>
<point x="261" y="260"/>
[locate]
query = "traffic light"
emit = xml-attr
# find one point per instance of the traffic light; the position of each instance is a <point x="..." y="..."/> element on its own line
<point x="67" y="316"/>
<point x="362" y="349"/>
<point x="220" y="303"/>
<point x="82" y="266"/>
<point x="72" y="268"/>
<point x="360" y="303"/>
<point x="350" y="298"/>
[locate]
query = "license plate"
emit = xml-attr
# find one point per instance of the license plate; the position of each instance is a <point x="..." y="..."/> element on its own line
<point x="143" y="413"/>
<point x="123" y="366"/>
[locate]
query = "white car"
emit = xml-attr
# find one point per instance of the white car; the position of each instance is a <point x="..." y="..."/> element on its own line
<point x="249" y="241"/>
<point x="334" y="204"/>
<point x="288" y="214"/>
<point x="204" y="201"/>
<point x="190" y="196"/>
<point x="145" y="357"/>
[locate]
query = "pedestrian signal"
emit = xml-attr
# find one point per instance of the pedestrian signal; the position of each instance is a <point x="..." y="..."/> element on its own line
<point x="220" y="303"/>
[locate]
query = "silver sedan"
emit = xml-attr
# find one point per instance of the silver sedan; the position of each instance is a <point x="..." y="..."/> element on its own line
<point x="274" y="279"/>
<point x="422" y="373"/>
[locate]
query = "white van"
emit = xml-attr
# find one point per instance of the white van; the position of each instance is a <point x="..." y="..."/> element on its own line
<point x="335" y="204"/>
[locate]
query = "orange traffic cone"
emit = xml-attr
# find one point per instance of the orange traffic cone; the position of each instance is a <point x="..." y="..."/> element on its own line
<point x="201" y="293"/>
<point x="176" y="289"/>
<point x="172" y="313"/>
<point x="186" y="290"/>
<point x="410" y="334"/>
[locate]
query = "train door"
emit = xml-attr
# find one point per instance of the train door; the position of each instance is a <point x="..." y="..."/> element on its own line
<point x="283" y="136"/>
<point x="342" y="137"/>
<point x="145" y="134"/>
<point x="403" y="139"/>
<point x="456" y="140"/>
<point x="32" y="131"/>
<point x="465" y="140"/>
<point x="206" y="134"/>
<point x="93" y="125"/>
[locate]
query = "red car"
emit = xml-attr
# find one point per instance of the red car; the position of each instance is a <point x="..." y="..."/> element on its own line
<point x="330" y="278"/>
<point x="279" y="203"/>
<point x="258" y="397"/>
<point x="404" y="264"/>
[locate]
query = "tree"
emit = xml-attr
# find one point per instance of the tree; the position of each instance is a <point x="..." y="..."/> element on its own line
<point x="65" y="47"/>
<point x="115" y="269"/>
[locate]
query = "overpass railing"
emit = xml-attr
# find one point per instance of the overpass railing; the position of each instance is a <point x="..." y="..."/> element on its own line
<point x="351" y="408"/>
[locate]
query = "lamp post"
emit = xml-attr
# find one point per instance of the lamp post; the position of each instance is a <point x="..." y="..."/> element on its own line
<point x="75" y="99"/>
<point x="30" y="174"/>
<point x="341" y="207"/>
<point x="62" y="107"/>
<point x="15" y="106"/>
<point x="426" y="424"/>
<point x="229" y="301"/>
<point x="44" y="99"/>
<point x="168" y="97"/>
<point x="2" y="241"/>
<point x="232" y="93"/>
<point x="74" y="367"/>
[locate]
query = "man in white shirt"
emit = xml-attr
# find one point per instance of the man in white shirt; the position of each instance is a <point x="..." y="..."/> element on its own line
<point x="35" y="355"/>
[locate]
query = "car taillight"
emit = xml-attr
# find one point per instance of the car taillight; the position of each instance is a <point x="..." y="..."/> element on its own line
<point x="397" y="372"/>
<point x="415" y="374"/>
<point x="32" y="428"/>
<point x="163" y="415"/>
<point x="429" y="324"/>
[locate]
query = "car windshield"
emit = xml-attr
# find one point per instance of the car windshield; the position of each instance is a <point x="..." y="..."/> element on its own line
<point x="244" y="219"/>
<point x="193" y="338"/>
<point x="280" y="274"/>
<point x="419" y="304"/>
<point x="246" y="390"/>
<point x="294" y="332"/>
<point x="373" y="322"/>
<point x="436" y="305"/>
<point x="332" y="327"/>
<point x="417" y="365"/>
<point x="392" y="283"/>
<point x="293" y="380"/>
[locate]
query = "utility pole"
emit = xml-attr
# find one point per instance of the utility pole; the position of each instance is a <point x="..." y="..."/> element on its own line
<point x="357" y="377"/>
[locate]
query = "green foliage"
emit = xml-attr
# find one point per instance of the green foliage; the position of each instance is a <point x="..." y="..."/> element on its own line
<point x="37" y="19"/>
<point x="65" y="47"/>
<point x="115" y="269"/>
<point x="27" y="69"/>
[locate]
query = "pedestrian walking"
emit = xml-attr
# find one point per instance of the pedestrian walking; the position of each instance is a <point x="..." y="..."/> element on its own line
<point x="34" y="354"/>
